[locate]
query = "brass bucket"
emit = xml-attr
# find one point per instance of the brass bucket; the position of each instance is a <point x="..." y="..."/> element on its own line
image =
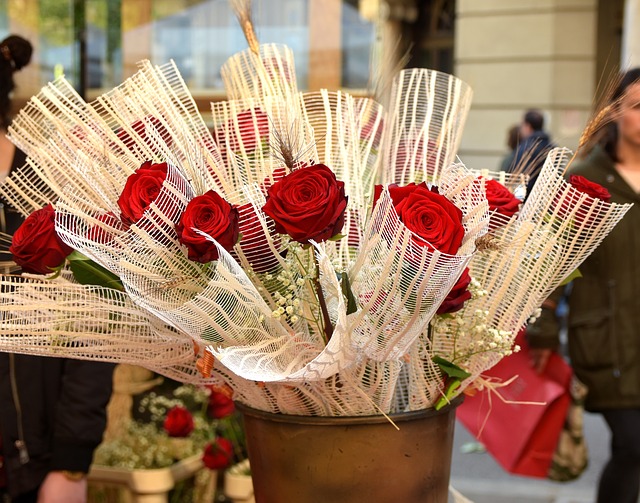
<point x="309" y="459"/>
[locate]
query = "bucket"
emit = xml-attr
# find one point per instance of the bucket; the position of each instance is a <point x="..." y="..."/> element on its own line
<point x="359" y="459"/>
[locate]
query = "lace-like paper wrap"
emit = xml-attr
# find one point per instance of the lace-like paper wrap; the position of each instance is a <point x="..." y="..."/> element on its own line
<point x="424" y="125"/>
<point x="269" y="73"/>
<point x="379" y="356"/>
<point x="60" y="318"/>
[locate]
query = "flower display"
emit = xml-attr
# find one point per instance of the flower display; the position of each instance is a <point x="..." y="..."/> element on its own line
<point x="458" y="295"/>
<point x="220" y="402"/>
<point x="172" y="423"/>
<point x="317" y="255"/>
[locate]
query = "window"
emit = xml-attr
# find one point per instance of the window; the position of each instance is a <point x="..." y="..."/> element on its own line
<point x="97" y="43"/>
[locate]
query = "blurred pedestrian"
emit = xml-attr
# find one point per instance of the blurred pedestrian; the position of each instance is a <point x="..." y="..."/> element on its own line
<point x="534" y="146"/>
<point x="513" y="139"/>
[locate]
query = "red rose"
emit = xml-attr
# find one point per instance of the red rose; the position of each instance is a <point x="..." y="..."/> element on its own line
<point x="590" y="188"/>
<point x="218" y="455"/>
<point x="307" y="204"/>
<point x="457" y="296"/>
<point x="36" y="246"/>
<point x="214" y="216"/>
<point x="220" y="404"/>
<point x="500" y="199"/>
<point x="140" y="190"/>
<point x="179" y="422"/>
<point x="429" y="215"/>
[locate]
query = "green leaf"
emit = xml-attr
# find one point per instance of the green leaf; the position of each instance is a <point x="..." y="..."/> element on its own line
<point x="452" y="386"/>
<point x="352" y="305"/>
<point x="455" y="376"/>
<point x="450" y="369"/>
<point x="87" y="272"/>
<point x="574" y="275"/>
<point x="337" y="237"/>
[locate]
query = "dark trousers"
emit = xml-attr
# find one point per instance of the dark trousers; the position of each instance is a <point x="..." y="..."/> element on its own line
<point x="620" y="479"/>
<point x="31" y="497"/>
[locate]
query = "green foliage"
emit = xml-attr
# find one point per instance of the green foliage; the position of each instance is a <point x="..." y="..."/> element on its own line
<point x="87" y="272"/>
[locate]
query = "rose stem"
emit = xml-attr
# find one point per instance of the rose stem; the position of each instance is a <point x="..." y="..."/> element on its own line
<point x="328" y="327"/>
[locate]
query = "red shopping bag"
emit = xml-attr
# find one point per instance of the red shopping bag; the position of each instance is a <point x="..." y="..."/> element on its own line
<point x="521" y="437"/>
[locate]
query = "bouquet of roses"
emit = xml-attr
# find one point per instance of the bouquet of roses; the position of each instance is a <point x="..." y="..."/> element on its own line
<point x="264" y="256"/>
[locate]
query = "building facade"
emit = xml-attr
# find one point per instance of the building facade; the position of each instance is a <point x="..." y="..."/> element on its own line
<point x="516" y="54"/>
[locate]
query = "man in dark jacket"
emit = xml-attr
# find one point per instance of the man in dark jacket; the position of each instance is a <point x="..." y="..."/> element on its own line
<point x="52" y="417"/>
<point x="534" y="146"/>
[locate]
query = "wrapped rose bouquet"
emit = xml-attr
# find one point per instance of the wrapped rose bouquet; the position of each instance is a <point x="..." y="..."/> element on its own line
<point x="319" y="253"/>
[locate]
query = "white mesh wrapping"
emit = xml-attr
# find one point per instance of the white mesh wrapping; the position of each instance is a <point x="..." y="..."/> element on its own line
<point x="269" y="73"/>
<point x="427" y="112"/>
<point x="65" y="319"/>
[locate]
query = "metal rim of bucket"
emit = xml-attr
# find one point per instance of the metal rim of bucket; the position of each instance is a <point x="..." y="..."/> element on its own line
<point x="344" y="420"/>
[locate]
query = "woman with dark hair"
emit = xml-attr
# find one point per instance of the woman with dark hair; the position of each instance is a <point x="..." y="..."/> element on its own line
<point x="604" y="304"/>
<point x="15" y="53"/>
<point x="52" y="410"/>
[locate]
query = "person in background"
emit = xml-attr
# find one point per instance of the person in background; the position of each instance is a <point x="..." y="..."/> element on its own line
<point x="534" y="146"/>
<point x="604" y="305"/>
<point x="52" y="410"/>
<point x="513" y="139"/>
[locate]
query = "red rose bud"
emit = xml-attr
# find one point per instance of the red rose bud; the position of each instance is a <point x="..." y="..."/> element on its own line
<point x="307" y="204"/>
<point x="214" y="216"/>
<point x="179" y="422"/>
<point x="218" y="455"/>
<point x="220" y="404"/>
<point x="500" y="199"/>
<point x="140" y="190"/>
<point x="458" y="295"/>
<point x="36" y="246"/>
<point x="502" y="203"/>
<point x="590" y="188"/>
<point x="429" y="215"/>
